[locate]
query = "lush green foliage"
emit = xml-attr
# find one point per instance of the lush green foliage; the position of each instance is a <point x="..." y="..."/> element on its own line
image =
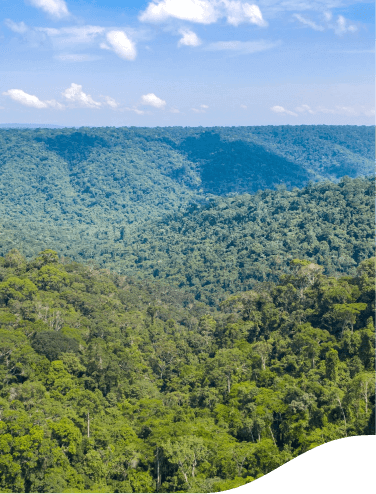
<point x="233" y="332"/>
<point x="83" y="191"/>
<point x="235" y="242"/>
<point x="106" y="388"/>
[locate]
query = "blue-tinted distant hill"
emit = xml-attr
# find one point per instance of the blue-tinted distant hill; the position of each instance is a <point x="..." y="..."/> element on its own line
<point x="76" y="189"/>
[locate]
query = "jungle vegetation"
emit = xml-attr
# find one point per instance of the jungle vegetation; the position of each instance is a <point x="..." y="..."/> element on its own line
<point x="182" y="309"/>
<point x="106" y="388"/>
<point x="80" y="191"/>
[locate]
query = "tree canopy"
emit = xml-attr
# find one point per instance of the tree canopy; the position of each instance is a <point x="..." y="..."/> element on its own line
<point x="107" y="388"/>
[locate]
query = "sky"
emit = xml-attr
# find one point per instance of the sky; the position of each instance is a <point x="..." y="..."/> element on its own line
<point x="187" y="62"/>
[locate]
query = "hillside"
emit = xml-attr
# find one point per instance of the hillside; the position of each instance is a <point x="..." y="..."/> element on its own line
<point x="232" y="244"/>
<point x="105" y="388"/>
<point x="235" y="243"/>
<point x="84" y="191"/>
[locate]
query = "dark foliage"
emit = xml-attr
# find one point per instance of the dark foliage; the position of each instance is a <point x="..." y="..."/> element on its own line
<point x="52" y="344"/>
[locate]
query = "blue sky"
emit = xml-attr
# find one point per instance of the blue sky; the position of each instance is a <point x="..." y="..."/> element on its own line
<point x="187" y="62"/>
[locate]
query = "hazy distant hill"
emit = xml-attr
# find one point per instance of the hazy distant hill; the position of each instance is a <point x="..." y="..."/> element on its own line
<point x="77" y="190"/>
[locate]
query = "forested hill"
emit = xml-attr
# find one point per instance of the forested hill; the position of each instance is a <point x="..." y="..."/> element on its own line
<point x="235" y="242"/>
<point x="228" y="245"/>
<point x="97" y="176"/>
<point x="105" y="389"/>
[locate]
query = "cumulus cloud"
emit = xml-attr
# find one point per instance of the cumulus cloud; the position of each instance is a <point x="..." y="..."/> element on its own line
<point x="111" y="102"/>
<point x="152" y="100"/>
<point x="340" y="26"/>
<point x="189" y="38"/>
<point x="31" y="100"/>
<point x="16" y="27"/>
<point x="74" y="94"/>
<point x="55" y="8"/>
<point x="203" y="11"/>
<point x="243" y="47"/>
<point x="120" y="43"/>
<point x="280" y="109"/>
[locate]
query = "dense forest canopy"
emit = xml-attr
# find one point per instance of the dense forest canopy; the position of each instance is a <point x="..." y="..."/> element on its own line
<point x="137" y="200"/>
<point x="235" y="242"/>
<point x="230" y="244"/>
<point x="92" y="183"/>
<point x="106" y="388"/>
<point x="220" y="321"/>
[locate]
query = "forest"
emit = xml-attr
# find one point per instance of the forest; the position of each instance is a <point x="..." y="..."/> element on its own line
<point x="106" y="388"/>
<point x="182" y="309"/>
<point x="80" y="191"/>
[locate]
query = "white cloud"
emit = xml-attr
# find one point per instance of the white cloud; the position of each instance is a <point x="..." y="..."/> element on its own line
<point x="280" y="109"/>
<point x="31" y="100"/>
<point x="203" y="11"/>
<point x="76" y="57"/>
<point x="111" y="102"/>
<point x="238" y="12"/>
<point x="308" y="23"/>
<point x="174" y="110"/>
<point x="55" y="8"/>
<point x="16" y="27"/>
<point x="189" y="38"/>
<point x="74" y="94"/>
<point x="136" y="110"/>
<point x="304" y="109"/>
<point x="243" y="47"/>
<point x="119" y="43"/>
<point x="340" y="27"/>
<point x="152" y="100"/>
<point x="244" y="107"/>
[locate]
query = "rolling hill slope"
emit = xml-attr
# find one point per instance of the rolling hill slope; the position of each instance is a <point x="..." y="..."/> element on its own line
<point x="85" y="191"/>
